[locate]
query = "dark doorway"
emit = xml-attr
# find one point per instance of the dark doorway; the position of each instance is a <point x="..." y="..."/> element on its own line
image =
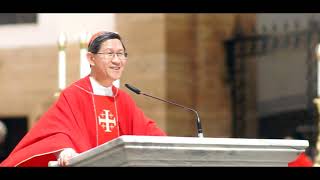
<point x="273" y="82"/>
<point x="281" y="125"/>
<point x="17" y="127"/>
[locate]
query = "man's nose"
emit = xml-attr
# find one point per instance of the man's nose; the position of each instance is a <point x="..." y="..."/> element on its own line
<point x="115" y="59"/>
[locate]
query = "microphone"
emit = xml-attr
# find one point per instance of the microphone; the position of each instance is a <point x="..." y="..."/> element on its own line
<point x="199" y="128"/>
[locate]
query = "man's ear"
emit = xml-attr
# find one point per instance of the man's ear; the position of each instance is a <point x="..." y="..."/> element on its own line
<point x="91" y="59"/>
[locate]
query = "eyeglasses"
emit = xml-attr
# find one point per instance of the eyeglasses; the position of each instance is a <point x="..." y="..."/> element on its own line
<point x="109" y="55"/>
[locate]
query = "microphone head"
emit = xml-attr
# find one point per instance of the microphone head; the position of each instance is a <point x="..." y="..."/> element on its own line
<point x="133" y="88"/>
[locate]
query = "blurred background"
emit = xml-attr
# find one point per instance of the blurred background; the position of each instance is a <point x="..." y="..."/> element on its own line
<point x="248" y="75"/>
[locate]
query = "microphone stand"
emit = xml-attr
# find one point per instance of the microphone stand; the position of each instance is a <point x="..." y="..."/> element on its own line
<point x="198" y="122"/>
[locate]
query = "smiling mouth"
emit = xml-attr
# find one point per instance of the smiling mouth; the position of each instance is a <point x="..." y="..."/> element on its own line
<point x="115" y="68"/>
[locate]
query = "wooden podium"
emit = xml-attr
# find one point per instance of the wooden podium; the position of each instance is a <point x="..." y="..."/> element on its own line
<point x="190" y="151"/>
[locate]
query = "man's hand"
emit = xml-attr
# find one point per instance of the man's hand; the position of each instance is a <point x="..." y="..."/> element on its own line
<point x="65" y="155"/>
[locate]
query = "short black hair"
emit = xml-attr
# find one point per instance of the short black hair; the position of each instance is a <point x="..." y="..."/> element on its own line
<point x="98" y="38"/>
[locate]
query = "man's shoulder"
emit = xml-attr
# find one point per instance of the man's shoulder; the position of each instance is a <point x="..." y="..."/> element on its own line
<point x="124" y="95"/>
<point x="76" y="88"/>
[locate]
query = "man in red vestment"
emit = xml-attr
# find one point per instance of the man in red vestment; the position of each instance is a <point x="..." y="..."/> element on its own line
<point x="88" y="113"/>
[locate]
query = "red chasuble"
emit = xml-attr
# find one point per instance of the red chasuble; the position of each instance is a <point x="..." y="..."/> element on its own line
<point x="80" y="120"/>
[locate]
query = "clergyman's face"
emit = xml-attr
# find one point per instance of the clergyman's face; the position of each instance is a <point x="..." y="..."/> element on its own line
<point x="108" y="69"/>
